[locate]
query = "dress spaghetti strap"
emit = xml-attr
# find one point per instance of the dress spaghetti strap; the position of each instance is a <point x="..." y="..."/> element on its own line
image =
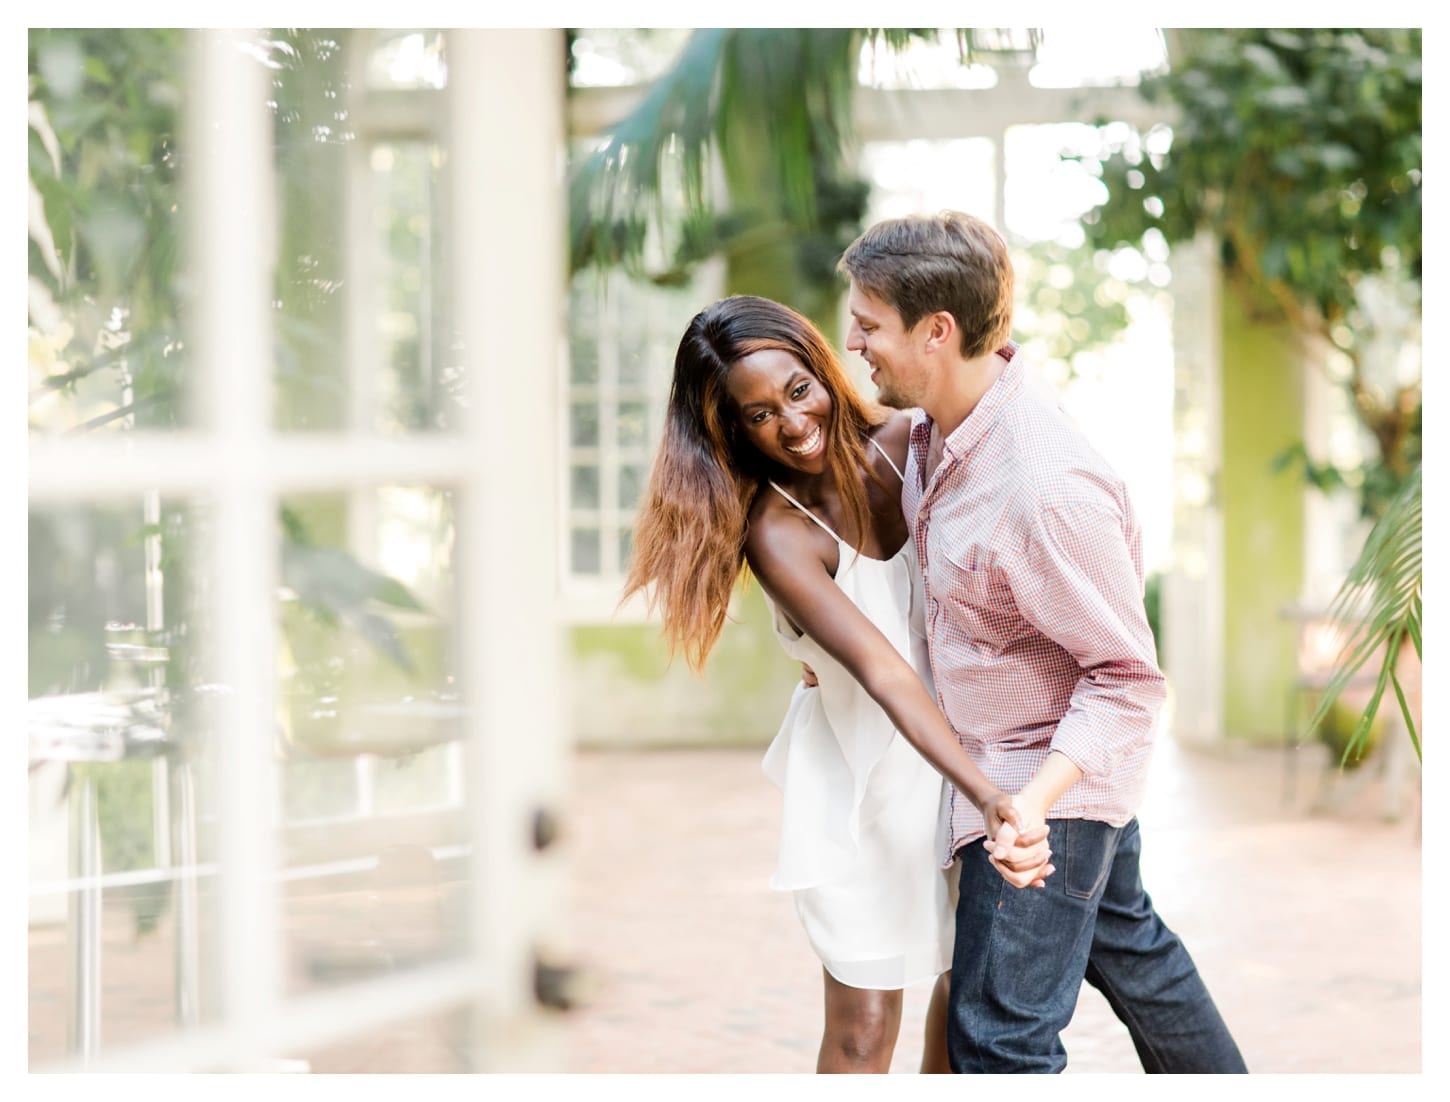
<point x="889" y="461"/>
<point x="806" y="511"/>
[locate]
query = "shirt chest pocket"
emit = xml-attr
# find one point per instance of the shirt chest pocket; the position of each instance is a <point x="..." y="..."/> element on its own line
<point x="981" y="601"/>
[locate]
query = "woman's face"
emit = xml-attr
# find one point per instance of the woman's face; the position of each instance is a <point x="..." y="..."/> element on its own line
<point x="783" y="409"/>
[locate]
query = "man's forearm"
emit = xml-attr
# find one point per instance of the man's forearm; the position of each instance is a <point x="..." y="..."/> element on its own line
<point x="1055" y="776"/>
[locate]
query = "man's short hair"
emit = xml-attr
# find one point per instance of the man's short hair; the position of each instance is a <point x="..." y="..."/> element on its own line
<point x="948" y="261"/>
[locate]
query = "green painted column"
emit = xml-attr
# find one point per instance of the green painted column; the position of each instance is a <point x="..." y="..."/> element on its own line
<point x="1263" y="520"/>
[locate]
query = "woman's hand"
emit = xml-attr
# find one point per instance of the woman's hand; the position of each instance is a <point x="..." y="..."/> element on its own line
<point x="1016" y="851"/>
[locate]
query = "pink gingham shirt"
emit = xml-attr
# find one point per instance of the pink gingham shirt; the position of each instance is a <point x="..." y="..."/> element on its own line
<point x="1033" y="568"/>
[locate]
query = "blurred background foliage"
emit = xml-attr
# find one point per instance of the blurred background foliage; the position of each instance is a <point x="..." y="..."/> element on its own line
<point x="105" y="264"/>
<point x="743" y="150"/>
<point x="1300" y="151"/>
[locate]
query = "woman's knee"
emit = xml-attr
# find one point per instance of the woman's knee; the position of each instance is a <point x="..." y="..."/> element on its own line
<point x="861" y="1025"/>
<point x="863" y="1039"/>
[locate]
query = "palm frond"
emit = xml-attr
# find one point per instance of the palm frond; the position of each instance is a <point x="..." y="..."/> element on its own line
<point x="788" y="91"/>
<point x="799" y="84"/>
<point x="774" y="105"/>
<point x="616" y="192"/>
<point x="1378" y="609"/>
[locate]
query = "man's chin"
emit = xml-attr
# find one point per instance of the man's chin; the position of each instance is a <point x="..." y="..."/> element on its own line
<point x="891" y="400"/>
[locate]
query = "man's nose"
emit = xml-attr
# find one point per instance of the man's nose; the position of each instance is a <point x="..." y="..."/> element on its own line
<point x="855" y="340"/>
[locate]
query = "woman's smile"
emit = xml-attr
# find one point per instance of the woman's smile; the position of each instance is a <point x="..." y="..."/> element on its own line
<point x="810" y="445"/>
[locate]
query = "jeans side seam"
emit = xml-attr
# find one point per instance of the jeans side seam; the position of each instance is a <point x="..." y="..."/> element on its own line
<point x="979" y="981"/>
<point x="986" y="964"/>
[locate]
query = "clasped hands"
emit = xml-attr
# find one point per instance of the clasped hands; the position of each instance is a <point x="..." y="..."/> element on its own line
<point x="1016" y="841"/>
<point x="1016" y="833"/>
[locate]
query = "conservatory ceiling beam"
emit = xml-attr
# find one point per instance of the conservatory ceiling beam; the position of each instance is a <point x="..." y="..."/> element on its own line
<point x="936" y="113"/>
<point x="942" y="113"/>
<point x="86" y="467"/>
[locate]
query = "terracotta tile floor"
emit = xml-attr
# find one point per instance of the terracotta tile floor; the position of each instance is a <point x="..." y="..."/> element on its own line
<point x="1305" y="926"/>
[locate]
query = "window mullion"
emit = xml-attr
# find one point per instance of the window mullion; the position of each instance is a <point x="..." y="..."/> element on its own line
<point x="509" y="281"/>
<point x="233" y="241"/>
<point x="609" y="394"/>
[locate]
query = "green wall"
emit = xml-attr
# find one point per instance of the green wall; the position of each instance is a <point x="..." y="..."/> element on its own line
<point x="1263" y="521"/>
<point x="625" y="692"/>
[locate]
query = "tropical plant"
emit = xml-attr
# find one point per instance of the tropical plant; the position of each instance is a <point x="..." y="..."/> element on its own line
<point x="1379" y="612"/>
<point x="741" y="150"/>
<point x="1300" y="151"/>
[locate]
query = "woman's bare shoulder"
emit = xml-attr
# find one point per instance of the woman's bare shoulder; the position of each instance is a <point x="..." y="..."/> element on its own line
<point x="778" y="534"/>
<point x="769" y="513"/>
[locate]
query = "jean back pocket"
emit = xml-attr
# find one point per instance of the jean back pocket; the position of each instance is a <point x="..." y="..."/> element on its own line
<point x="1084" y="851"/>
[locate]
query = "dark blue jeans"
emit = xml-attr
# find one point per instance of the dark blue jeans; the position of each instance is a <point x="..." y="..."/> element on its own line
<point x="1022" y="954"/>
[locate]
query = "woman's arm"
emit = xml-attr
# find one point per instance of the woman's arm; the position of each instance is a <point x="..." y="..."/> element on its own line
<point x="788" y="563"/>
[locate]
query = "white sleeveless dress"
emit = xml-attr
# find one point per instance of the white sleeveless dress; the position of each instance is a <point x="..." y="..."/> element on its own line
<point x="860" y="832"/>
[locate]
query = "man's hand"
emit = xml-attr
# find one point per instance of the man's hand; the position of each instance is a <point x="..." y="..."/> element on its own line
<point x="1017" y="851"/>
<point x="1010" y="842"/>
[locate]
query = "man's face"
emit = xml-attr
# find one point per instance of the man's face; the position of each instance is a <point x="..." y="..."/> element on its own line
<point x="891" y="351"/>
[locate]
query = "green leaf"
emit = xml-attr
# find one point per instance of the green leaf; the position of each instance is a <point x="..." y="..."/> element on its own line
<point x="1265" y="60"/>
<point x="336" y="586"/>
<point x="1379" y="605"/>
<point x="1405" y="711"/>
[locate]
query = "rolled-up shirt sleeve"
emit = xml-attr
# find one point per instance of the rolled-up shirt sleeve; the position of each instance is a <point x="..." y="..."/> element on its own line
<point x="1079" y="582"/>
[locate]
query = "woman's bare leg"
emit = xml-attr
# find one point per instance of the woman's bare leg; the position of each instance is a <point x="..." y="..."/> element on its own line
<point x="934" y="1059"/>
<point x="861" y="1028"/>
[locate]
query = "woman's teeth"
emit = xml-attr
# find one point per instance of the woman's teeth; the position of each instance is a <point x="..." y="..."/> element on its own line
<point x="808" y="445"/>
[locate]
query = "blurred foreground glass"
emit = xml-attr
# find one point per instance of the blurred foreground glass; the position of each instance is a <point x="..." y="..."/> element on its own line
<point x="106" y="286"/>
<point x="372" y="762"/>
<point x="122" y="838"/>
<point x="120" y="841"/>
<point x="245" y="732"/>
<point x="363" y="338"/>
<point x="437" y="1043"/>
<point x="363" y="333"/>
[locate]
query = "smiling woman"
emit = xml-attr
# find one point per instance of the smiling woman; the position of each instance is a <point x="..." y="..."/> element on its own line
<point x="709" y="467"/>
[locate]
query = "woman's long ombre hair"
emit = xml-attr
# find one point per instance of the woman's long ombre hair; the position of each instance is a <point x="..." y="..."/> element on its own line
<point x="689" y="541"/>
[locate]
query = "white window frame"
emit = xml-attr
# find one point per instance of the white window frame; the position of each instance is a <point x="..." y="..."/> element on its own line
<point x="508" y="219"/>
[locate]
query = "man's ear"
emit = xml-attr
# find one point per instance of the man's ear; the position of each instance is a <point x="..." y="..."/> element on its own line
<point x="941" y="330"/>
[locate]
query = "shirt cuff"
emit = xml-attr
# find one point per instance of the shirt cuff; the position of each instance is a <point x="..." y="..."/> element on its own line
<point x="1076" y="741"/>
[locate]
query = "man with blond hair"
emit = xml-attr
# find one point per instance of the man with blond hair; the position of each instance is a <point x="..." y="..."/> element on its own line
<point x="1042" y="657"/>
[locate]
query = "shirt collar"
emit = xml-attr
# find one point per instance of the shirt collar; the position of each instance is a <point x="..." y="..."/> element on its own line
<point x="988" y="409"/>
